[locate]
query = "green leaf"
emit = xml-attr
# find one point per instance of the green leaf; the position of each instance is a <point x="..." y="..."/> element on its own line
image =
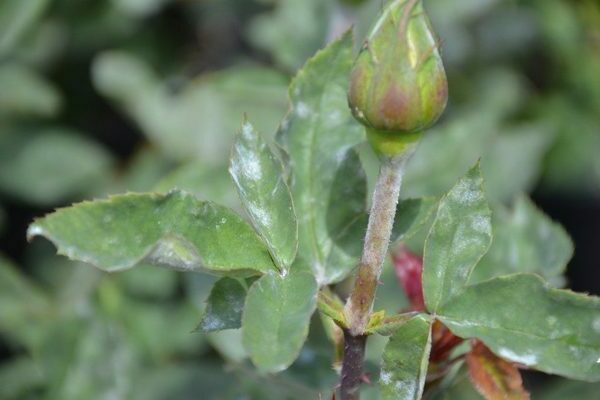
<point x="430" y="172"/>
<point x="564" y="389"/>
<point x="21" y="302"/>
<point x="411" y="216"/>
<point x="455" y="386"/>
<point x="332" y="306"/>
<point x="139" y="9"/>
<point x="293" y="31"/>
<point x="51" y="166"/>
<point x="276" y="318"/>
<point x="20" y="378"/>
<point x="389" y="325"/>
<point x="25" y="93"/>
<point x="318" y="133"/>
<point x="224" y="306"/>
<point x="523" y="320"/>
<point x="198" y="121"/>
<point x="470" y="133"/>
<point x="75" y="356"/>
<point x="258" y="176"/>
<point x="174" y="230"/>
<point x="347" y="218"/>
<point x="145" y="168"/>
<point x="16" y="18"/>
<point x="405" y="361"/>
<point x="525" y="240"/>
<point x="159" y="330"/>
<point x="206" y="183"/>
<point x="228" y="344"/>
<point x="513" y="160"/>
<point x="461" y="234"/>
<point x="149" y="282"/>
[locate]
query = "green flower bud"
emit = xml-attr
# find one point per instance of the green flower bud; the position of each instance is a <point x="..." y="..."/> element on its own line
<point x="398" y="84"/>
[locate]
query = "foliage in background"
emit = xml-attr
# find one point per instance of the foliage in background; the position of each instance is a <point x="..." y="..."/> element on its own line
<point x="180" y="75"/>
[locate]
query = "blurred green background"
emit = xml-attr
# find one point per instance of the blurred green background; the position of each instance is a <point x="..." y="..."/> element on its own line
<point x="105" y="96"/>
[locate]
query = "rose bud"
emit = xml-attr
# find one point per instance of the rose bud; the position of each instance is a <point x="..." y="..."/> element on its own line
<point x="398" y="84"/>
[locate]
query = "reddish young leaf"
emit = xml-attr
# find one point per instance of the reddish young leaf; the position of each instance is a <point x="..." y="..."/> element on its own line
<point x="409" y="270"/>
<point x="493" y="377"/>
<point x="443" y="342"/>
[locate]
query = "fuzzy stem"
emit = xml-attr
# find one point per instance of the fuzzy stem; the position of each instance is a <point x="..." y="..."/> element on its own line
<point x="381" y="219"/>
<point x="360" y="303"/>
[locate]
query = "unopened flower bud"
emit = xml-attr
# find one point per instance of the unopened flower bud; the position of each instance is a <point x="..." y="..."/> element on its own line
<point x="398" y="85"/>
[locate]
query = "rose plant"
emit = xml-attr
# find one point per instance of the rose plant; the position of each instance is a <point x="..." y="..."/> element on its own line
<point x="307" y="241"/>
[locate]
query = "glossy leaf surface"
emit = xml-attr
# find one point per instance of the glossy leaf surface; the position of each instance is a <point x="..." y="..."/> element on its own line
<point x="276" y="319"/>
<point x="174" y="230"/>
<point x="405" y="361"/>
<point x="523" y="320"/>
<point x="318" y="133"/>
<point x="258" y="176"/>
<point x="461" y="234"/>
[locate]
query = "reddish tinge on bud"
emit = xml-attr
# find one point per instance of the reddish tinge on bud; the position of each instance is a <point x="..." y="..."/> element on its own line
<point x="409" y="271"/>
<point x="398" y="84"/>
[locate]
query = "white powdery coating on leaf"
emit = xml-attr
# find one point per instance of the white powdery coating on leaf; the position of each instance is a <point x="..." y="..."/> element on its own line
<point x="248" y="165"/>
<point x="596" y="324"/>
<point x="385" y="377"/>
<point x="247" y="131"/>
<point x="210" y="323"/>
<point x="302" y="110"/>
<point x="260" y="215"/>
<point x="525" y="359"/>
<point x="464" y="193"/>
<point x="481" y="224"/>
<point x="34" y="230"/>
<point x="404" y="387"/>
<point x="319" y="271"/>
